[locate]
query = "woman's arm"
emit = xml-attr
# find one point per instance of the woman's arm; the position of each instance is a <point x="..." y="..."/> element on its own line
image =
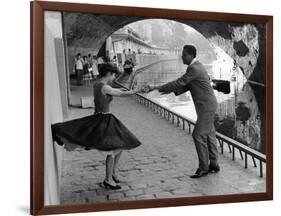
<point x="117" y="92"/>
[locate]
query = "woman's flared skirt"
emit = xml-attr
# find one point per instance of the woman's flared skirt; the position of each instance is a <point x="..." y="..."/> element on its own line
<point x="102" y="131"/>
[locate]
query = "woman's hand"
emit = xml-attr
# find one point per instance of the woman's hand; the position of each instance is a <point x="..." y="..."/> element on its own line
<point x="145" y="89"/>
<point x="140" y="89"/>
<point x="149" y="88"/>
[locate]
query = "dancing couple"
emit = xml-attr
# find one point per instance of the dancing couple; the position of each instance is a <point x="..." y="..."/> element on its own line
<point x="104" y="132"/>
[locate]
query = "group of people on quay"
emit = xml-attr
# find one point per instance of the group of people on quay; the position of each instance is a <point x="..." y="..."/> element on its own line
<point x="86" y="68"/>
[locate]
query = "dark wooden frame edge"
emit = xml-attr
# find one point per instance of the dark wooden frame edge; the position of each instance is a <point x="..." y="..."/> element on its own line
<point x="37" y="106"/>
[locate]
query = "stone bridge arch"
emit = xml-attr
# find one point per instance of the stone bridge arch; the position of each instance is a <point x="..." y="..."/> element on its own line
<point x="245" y="43"/>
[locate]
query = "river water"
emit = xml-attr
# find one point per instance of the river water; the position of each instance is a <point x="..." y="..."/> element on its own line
<point x="240" y="114"/>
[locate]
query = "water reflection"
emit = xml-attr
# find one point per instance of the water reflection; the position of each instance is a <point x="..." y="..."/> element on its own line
<point x="238" y="115"/>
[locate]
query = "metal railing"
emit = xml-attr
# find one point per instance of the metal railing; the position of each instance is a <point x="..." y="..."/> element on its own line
<point x="186" y="124"/>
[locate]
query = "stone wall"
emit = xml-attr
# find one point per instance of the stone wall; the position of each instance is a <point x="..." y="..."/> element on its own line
<point x="54" y="103"/>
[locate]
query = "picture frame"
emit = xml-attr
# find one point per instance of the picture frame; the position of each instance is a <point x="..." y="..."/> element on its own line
<point x="37" y="9"/>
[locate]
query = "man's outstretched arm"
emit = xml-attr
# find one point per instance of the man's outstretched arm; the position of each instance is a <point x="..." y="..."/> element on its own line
<point x="179" y="85"/>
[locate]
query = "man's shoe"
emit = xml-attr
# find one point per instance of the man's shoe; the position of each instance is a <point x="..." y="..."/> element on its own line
<point x="199" y="173"/>
<point x="214" y="168"/>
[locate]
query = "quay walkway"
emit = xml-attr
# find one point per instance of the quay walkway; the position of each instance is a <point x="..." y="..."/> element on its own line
<point x="159" y="168"/>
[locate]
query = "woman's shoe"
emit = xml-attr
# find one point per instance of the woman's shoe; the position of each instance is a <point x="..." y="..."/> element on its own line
<point x="115" y="179"/>
<point x="113" y="187"/>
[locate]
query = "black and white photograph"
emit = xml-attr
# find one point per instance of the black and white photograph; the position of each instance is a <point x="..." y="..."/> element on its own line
<point x="147" y="108"/>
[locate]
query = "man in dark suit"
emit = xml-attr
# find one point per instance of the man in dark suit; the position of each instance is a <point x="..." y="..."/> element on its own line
<point x="197" y="81"/>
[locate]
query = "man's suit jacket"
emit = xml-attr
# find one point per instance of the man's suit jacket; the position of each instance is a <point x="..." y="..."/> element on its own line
<point x="197" y="81"/>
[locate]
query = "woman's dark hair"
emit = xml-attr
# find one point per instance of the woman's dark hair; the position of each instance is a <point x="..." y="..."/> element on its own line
<point x="106" y="59"/>
<point x="191" y="50"/>
<point x="106" y="68"/>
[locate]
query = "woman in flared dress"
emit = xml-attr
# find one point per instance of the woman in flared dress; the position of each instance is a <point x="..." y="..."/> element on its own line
<point x="102" y="130"/>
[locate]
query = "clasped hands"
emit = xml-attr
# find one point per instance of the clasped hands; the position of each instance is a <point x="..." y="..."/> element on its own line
<point x="146" y="89"/>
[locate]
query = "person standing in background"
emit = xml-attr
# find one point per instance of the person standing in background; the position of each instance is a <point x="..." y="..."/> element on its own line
<point x="134" y="55"/>
<point x="95" y="67"/>
<point x="90" y="67"/>
<point x="90" y="60"/>
<point x="79" y="68"/>
<point x="85" y="65"/>
<point x="114" y="61"/>
<point x="100" y="61"/>
<point x="87" y="76"/>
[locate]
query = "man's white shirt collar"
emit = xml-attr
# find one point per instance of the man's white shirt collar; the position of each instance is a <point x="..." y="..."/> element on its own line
<point x="192" y="62"/>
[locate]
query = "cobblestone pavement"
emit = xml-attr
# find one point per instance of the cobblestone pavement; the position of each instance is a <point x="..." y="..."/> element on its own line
<point x="159" y="168"/>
